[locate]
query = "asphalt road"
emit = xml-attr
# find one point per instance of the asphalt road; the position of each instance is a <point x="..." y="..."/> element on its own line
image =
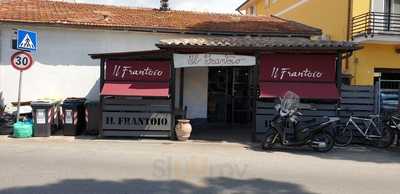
<point x="65" y="165"/>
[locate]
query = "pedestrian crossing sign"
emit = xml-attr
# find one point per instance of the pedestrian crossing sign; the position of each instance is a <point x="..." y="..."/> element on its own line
<point x="26" y="40"/>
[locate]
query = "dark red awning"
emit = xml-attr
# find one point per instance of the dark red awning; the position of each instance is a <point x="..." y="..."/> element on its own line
<point x="304" y="90"/>
<point x="138" y="89"/>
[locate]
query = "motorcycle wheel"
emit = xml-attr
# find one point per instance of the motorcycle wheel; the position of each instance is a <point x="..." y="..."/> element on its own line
<point x="343" y="136"/>
<point x="268" y="141"/>
<point x="324" y="137"/>
<point x="386" y="140"/>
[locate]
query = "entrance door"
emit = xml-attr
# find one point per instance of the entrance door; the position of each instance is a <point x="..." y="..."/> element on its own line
<point x="230" y="95"/>
<point x="242" y="95"/>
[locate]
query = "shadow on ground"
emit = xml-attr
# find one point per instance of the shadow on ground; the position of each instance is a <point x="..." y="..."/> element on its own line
<point x="358" y="153"/>
<point x="213" y="185"/>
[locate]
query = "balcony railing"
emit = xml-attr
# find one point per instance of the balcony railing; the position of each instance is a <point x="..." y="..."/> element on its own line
<point x="375" y="23"/>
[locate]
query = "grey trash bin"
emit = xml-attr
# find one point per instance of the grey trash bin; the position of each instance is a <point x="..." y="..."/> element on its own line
<point x="45" y="116"/>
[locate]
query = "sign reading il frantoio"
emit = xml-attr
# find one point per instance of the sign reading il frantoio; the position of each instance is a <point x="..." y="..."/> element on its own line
<point x="136" y="121"/>
<point x="298" y="67"/>
<point x="137" y="70"/>
<point x="212" y="60"/>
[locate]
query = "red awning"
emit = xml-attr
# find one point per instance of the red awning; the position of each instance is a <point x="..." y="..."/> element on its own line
<point x="139" y="89"/>
<point x="304" y="90"/>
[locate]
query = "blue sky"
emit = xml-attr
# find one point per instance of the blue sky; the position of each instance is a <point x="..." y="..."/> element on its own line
<point x="226" y="6"/>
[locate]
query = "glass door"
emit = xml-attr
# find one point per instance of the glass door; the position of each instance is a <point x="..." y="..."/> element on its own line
<point x="242" y="95"/>
<point x="218" y="79"/>
<point x="231" y="95"/>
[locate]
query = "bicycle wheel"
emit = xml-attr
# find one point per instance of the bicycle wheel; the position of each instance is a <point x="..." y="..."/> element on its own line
<point x="343" y="135"/>
<point x="386" y="140"/>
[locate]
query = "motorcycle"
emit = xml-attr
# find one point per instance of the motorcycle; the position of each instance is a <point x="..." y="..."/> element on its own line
<point x="289" y="129"/>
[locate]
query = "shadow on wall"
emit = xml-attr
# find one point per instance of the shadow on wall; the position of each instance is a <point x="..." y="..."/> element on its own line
<point x="94" y="92"/>
<point x="214" y="185"/>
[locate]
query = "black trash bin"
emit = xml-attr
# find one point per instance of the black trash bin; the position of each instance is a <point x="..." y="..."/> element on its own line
<point x="44" y="113"/>
<point x="93" y="115"/>
<point x="74" y="116"/>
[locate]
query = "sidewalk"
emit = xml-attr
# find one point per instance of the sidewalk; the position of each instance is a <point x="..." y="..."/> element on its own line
<point x="66" y="139"/>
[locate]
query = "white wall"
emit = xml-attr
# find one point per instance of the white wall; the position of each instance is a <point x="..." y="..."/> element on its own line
<point x="64" y="69"/>
<point x="378" y="5"/>
<point x="196" y="92"/>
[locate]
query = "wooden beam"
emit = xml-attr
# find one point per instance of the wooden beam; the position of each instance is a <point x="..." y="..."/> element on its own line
<point x="102" y="77"/>
<point x="181" y="89"/>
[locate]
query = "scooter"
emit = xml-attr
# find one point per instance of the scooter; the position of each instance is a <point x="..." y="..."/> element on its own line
<point x="290" y="130"/>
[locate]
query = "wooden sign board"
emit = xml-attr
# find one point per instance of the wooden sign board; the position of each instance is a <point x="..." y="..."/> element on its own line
<point x="136" y="121"/>
<point x="212" y="60"/>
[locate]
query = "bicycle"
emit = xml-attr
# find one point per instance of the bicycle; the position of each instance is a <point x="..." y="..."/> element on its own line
<point x="381" y="137"/>
<point x="394" y="123"/>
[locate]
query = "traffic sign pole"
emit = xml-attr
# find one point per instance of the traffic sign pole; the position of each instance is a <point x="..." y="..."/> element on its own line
<point x="19" y="95"/>
<point x="21" y="61"/>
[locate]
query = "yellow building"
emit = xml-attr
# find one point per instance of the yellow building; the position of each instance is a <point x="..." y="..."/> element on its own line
<point x="375" y="24"/>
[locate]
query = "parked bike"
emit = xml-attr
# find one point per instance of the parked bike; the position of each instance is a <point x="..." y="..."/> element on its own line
<point x="394" y="123"/>
<point x="371" y="129"/>
<point x="288" y="128"/>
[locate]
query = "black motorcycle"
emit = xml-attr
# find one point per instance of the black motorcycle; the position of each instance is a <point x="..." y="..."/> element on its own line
<point x="288" y="128"/>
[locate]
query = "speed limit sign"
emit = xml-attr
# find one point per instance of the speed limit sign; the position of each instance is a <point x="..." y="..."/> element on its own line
<point x="21" y="60"/>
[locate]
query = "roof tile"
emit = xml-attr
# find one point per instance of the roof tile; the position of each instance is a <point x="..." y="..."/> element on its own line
<point x="259" y="43"/>
<point x="102" y="16"/>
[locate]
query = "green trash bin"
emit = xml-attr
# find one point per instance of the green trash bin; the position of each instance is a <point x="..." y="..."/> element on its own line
<point x="23" y="129"/>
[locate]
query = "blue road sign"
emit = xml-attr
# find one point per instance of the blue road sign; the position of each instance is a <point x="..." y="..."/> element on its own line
<point x="26" y="40"/>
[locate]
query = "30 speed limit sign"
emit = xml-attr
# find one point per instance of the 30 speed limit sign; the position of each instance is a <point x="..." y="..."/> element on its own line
<point x="21" y="60"/>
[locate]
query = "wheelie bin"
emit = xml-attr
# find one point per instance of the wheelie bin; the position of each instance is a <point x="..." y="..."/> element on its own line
<point x="74" y="119"/>
<point x="44" y="113"/>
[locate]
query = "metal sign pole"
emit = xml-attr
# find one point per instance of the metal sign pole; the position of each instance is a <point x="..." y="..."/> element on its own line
<point x="19" y="95"/>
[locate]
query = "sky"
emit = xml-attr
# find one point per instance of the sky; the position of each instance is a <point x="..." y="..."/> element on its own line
<point x="223" y="6"/>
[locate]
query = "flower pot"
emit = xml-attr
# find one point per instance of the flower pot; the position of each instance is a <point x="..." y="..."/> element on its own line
<point x="183" y="129"/>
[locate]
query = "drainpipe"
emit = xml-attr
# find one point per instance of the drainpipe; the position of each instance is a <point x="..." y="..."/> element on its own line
<point x="349" y="25"/>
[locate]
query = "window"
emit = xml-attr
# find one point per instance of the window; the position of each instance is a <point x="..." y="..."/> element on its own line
<point x="395" y="6"/>
<point x="392" y="6"/>
<point x="252" y="11"/>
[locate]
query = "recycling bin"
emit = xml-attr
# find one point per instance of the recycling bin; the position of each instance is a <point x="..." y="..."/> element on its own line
<point x="93" y="115"/>
<point x="74" y="119"/>
<point x="44" y="113"/>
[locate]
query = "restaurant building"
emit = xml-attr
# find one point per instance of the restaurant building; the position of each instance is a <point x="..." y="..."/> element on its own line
<point x="218" y="70"/>
<point x="231" y="79"/>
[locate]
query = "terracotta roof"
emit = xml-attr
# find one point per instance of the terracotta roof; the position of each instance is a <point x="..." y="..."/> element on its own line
<point x="142" y="19"/>
<point x="258" y="43"/>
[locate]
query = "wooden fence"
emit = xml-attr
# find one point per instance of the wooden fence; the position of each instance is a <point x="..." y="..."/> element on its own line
<point x="359" y="100"/>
